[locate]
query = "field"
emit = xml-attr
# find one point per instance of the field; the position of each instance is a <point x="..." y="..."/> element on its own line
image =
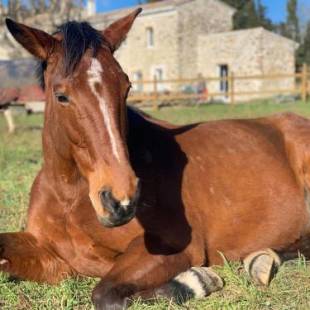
<point x="20" y="159"/>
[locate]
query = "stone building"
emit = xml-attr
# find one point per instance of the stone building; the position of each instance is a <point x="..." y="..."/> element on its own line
<point x="183" y="39"/>
<point x="164" y="39"/>
<point x="250" y="52"/>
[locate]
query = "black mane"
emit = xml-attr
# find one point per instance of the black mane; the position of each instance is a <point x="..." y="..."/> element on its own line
<point x="77" y="38"/>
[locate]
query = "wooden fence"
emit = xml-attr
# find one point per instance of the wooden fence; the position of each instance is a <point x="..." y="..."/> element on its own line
<point x="155" y="97"/>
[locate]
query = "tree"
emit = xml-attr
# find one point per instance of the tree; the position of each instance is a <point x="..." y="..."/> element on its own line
<point x="44" y="14"/>
<point x="303" y="16"/>
<point x="303" y="53"/>
<point x="306" y="45"/>
<point x="238" y="4"/>
<point x="262" y="16"/>
<point x="292" y="21"/>
<point x="250" y="14"/>
<point x="57" y="11"/>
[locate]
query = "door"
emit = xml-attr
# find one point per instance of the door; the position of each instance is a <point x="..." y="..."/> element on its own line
<point x="223" y="73"/>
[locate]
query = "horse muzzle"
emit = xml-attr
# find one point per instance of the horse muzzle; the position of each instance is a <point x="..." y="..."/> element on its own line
<point x="119" y="212"/>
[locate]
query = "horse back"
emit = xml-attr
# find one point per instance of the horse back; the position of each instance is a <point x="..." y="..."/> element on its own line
<point x="296" y="138"/>
<point x="246" y="183"/>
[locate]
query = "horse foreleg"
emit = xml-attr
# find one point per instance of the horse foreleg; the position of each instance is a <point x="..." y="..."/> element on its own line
<point x="197" y="282"/>
<point x="139" y="273"/>
<point x="24" y="257"/>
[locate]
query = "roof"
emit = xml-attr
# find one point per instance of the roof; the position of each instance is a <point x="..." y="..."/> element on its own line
<point x="259" y="30"/>
<point x="8" y="95"/>
<point x="29" y="93"/>
<point x="148" y="8"/>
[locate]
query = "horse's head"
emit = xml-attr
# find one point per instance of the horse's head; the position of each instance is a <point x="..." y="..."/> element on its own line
<point x="86" y="92"/>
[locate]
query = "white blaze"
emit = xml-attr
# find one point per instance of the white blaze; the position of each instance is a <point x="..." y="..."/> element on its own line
<point x="94" y="76"/>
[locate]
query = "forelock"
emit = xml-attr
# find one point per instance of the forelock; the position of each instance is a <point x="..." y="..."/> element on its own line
<point x="77" y="38"/>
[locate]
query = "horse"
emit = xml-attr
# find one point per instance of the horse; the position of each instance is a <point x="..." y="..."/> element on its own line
<point x="137" y="201"/>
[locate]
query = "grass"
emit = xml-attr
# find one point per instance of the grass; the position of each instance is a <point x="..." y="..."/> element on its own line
<point x="20" y="159"/>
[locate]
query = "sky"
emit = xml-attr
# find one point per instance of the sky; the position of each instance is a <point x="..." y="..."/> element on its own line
<point x="276" y="9"/>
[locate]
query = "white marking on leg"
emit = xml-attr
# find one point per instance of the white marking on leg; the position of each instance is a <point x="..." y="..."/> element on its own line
<point x="94" y="76"/>
<point x="189" y="279"/>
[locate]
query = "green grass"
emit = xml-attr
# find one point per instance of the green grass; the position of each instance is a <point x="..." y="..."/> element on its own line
<point x="218" y="111"/>
<point x="20" y="159"/>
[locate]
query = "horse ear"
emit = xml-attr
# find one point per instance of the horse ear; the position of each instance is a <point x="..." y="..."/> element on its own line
<point x="116" y="33"/>
<point x="36" y="42"/>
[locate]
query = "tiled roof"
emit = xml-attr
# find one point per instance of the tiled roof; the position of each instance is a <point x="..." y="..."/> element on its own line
<point x="29" y="93"/>
<point x="8" y="95"/>
<point x="260" y="30"/>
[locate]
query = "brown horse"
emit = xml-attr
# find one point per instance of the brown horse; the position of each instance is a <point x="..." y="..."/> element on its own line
<point x="234" y="186"/>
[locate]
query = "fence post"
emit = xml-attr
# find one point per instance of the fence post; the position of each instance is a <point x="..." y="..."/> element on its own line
<point x="155" y="105"/>
<point x="304" y="83"/>
<point x="9" y="119"/>
<point x="232" y="88"/>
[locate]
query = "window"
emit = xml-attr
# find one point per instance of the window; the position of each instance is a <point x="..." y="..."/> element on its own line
<point x="223" y="71"/>
<point x="137" y="79"/>
<point x="149" y="37"/>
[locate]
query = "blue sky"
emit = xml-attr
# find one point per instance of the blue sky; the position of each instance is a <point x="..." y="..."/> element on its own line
<point x="276" y="8"/>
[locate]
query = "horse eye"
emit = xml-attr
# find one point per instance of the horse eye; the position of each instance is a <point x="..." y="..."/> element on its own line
<point x="62" y="99"/>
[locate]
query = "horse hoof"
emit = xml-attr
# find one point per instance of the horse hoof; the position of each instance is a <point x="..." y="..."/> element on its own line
<point x="262" y="266"/>
<point x="201" y="281"/>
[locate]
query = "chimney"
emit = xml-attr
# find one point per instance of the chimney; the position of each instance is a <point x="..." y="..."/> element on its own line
<point x="91" y="7"/>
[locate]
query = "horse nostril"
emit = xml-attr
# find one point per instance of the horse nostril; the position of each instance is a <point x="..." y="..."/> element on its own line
<point x="107" y="200"/>
<point x="120" y="212"/>
<point x="105" y="195"/>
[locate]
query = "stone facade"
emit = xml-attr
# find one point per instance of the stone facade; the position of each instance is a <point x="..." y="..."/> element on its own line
<point x="196" y="18"/>
<point x="193" y="38"/>
<point x="176" y="25"/>
<point x="161" y="58"/>
<point x="183" y="39"/>
<point x="251" y="52"/>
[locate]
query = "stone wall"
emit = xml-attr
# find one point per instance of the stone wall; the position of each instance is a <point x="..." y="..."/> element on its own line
<point x="135" y="56"/>
<point x="196" y="18"/>
<point x="247" y="53"/>
<point x="193" y="37"/>
<point x="278" y="57"/>
<point x="176" y="25"/>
